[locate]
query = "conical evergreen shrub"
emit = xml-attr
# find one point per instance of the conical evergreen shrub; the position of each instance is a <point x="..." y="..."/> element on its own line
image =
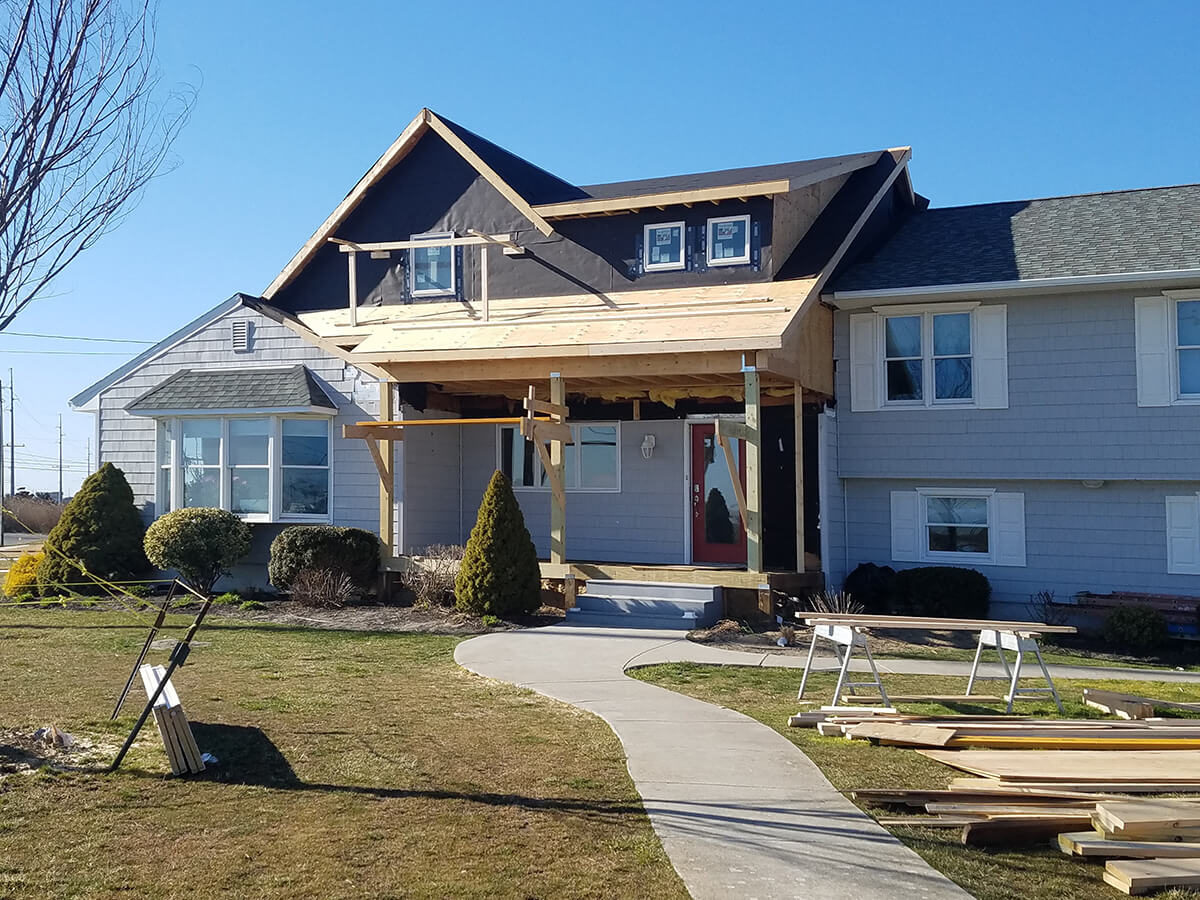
<point x="101" y="528"/>
<point x="499" y="573"/>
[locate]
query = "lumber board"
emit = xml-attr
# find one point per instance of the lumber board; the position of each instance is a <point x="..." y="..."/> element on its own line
<point x="1111" y="787"/>
<point x="166" y="732"/>
<point x="1047" y="741"/>
<point x="1144" y="876"/>
<point x="1076" y="766"/>
<point x="1148" y="819"/>
<point x="1088" y="843"/>
<point x="900" y="733"/>
<point x="1005" y="810"/>
<point x="929" y="623"/>
<point x="1118" y="697"/>
<point x="931" y="698"/>
<point x="1016" y="831"/>
<point x="1117" y="704"/>
<point x="928" y="821"/>
<point x="919" y="798"/>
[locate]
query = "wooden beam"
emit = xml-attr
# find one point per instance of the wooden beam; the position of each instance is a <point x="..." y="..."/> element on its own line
<point x="551" y="409"/>
<point x="534" y="369"/>
<point x="798" y="414"/>
<point x="387" y="486"/>
<point x="666" y="198"/>
<point x="352" y="264"/>
<point x="735" y="476"/>
<point x="558" y="506"/>
<point x="475" y="240"/>
<point x="753" y="451"/>
<point x="374" y="432"/>
<point x="729" y="429"/>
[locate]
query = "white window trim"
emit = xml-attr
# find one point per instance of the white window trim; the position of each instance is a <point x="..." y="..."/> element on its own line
<point x="1174" y="298"/>
<point x="274" y="480"/>
<point x="928" y="385"/>
<point x="947" y="556"/>
<point x="436" y="239"/>
<point x="708" y="243"/>
<point x="537" y="463"/>
<point x="664" y="267"/>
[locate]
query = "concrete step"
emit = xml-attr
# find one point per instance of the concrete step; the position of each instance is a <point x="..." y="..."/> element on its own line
<point x="652" y="590"/>
<point x="624" y="620"/>
<point x="702" y="610"/>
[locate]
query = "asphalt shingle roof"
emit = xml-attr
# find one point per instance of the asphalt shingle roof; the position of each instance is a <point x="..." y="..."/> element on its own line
<point x="1150" y="230"/>
<point x="248" y="389"/>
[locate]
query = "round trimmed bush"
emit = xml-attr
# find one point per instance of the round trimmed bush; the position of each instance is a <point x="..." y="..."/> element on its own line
<point x="352" y="551"/>
<point x="941" y="592"/>
<point x="100" y="528"/>
<point x="499" y="574"/>
<point x="1135" y="629"/>
<point x="22" y="577"/>
<point x="872" y="586"/>
<point x="201" y="544"/>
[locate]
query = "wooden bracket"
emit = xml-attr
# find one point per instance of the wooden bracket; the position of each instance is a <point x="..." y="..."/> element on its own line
<point x="734" y="474"/>
<point x="375" y="432"/>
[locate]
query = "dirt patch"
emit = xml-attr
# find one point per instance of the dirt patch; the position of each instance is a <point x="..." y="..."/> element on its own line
<point x="382" y="618"/>
<point x="27" y="750"/>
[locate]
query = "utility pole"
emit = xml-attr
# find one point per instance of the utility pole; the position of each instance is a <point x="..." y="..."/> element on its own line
<point x="60" y="493"/>
<point x="12" y="435"/>
<point x="2" y="463"/>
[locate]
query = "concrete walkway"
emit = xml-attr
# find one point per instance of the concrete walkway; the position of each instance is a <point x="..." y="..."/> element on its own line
<point x="740" y="811"/>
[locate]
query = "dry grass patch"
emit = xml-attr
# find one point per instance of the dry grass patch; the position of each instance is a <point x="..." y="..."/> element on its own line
<point x="351" y="765"/>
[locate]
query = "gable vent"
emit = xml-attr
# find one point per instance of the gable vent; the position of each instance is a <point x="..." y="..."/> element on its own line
<point x="240" y="332"/>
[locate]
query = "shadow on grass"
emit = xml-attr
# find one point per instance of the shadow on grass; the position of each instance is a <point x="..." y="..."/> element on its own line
<point x="246" y="756"/>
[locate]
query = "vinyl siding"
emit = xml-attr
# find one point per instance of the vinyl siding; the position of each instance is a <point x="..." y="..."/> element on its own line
<point x="129" y="441"/>
<point x="1077" y="539"/>
<point x="1072" y="411"/>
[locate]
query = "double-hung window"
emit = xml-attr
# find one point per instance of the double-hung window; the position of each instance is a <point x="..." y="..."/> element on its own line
<point x="432" y="269"/>
<point x="927" y="358"/>
<point x="262" y="468"/>
<point x="1187" y="348"/>
<point x="958" y="526"/>
<point x="591" y="463"/>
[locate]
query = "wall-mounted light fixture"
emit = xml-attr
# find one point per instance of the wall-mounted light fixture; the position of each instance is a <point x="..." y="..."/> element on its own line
<point x="1092" y="482"/>
<point x="648" y="446"/>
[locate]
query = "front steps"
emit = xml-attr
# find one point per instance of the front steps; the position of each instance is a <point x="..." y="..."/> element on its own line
<point x="647" y="604"/>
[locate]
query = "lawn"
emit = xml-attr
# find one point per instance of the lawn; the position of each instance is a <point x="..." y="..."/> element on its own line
<point x="1034" y="873"/>
<point x="351" y="765"/>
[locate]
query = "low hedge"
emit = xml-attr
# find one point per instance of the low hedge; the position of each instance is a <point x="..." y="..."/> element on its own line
<point x="352" y="551"/>
<point x="941" y="592"/>
<point x="22" y="577"/>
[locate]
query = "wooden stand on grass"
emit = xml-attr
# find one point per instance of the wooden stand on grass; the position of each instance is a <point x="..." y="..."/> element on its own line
<point x="173" y="726"/>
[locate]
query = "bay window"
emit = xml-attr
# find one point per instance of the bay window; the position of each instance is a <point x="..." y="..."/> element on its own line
<point x="262" y="468"/>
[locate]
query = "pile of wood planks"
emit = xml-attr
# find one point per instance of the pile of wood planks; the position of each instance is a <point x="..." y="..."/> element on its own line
<point x="173" y="725"/>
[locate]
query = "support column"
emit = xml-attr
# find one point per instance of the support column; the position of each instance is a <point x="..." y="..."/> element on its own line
<point x="753" y="451"/>
<point x="798" y="400"/>
<point x="387" y="485"/>
<point x="558" y="506"/>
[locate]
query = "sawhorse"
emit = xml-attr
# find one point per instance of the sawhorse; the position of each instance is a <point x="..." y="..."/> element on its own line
<point x="1021" y="642"/>
<point x="845" y="639"/>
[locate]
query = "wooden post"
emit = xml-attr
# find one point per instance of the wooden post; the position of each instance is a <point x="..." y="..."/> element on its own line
<point x="558" y="505"/>
<point x="798" y="409"/>
<point x="483" y="285"/>
<point x="387" y="485"/>
<point x="753" y="450"/>
<point x="352" y="262"/>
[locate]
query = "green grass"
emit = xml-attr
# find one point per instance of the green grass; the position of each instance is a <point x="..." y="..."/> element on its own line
<point x="351" y="765"/>
<point x="1034" y="873"/>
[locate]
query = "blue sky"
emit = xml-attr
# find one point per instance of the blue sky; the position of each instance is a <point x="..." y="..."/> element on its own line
<point x="999" y="101"/>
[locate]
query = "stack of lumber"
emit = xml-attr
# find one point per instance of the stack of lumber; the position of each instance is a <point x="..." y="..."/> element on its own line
<point x="173" y="725"/>
<point x="1002" y="732"/>
<point x="1132" y="706"/>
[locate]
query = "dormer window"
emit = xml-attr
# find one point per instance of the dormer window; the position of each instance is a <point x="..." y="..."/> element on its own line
<point x="729" y="241"/>
<point x="662" y="247"/>
<point x="431" y="272"/>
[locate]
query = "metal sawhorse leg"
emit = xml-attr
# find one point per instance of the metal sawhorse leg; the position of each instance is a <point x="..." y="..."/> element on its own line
<point x="844" y="639"/>
<point x="1021" y="643"/>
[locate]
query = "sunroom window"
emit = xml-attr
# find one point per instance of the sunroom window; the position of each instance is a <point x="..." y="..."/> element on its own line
<point x="432" y="268"/>
<point x="591" y="463"/>
<point x="263" y="468"/>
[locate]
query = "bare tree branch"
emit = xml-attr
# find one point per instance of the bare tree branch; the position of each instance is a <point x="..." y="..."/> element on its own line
<point x="82" y="132"/>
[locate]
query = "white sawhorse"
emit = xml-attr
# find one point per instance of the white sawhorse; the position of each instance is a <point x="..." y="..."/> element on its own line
<point x="845" y="638"/>
<point x="1021" y="642"/>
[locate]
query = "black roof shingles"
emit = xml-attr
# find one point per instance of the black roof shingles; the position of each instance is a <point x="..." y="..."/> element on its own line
<point x="1148" y="230"/>
<point x="249" y="389"/>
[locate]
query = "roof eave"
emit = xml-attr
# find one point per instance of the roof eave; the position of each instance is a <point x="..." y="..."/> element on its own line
<point x="1065" y="284"/>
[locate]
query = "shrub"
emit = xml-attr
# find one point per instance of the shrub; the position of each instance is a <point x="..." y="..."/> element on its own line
<point x="871" y="585"/>
<point x="22" y="577"/>
<point x="31" y="514"/>
<point x="229" y="598"/>
<point x="350" y="550"/>
<point x="1042" y="607"/>
<point x="201" y="544"/>
<point x="837" y="602"/>
<point x="941" y="591"/>
<point x="1135" y="629"/>
<point x="499" y="574"/>
<point x="321" y="587"/>
<point x="252" y="605"/>
<point x="432" y="578"/>
<point x="101" y="529"/>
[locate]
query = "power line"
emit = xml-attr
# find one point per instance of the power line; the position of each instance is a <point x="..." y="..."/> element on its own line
<point x="74" y="337"/>
<point x="69" y="352"/>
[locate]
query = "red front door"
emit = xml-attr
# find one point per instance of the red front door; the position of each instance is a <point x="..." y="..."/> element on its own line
<point x="717" y="532"/>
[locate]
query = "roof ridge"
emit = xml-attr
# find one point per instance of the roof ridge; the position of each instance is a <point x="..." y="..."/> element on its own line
<point x="1141" y="190"/>
<point x="767" y="165"/>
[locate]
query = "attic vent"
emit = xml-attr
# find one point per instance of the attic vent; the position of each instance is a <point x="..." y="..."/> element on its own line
<point x="241" y="336"/>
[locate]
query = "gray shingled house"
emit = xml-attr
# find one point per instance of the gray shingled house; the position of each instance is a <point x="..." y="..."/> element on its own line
<point x="768" y="376"/>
